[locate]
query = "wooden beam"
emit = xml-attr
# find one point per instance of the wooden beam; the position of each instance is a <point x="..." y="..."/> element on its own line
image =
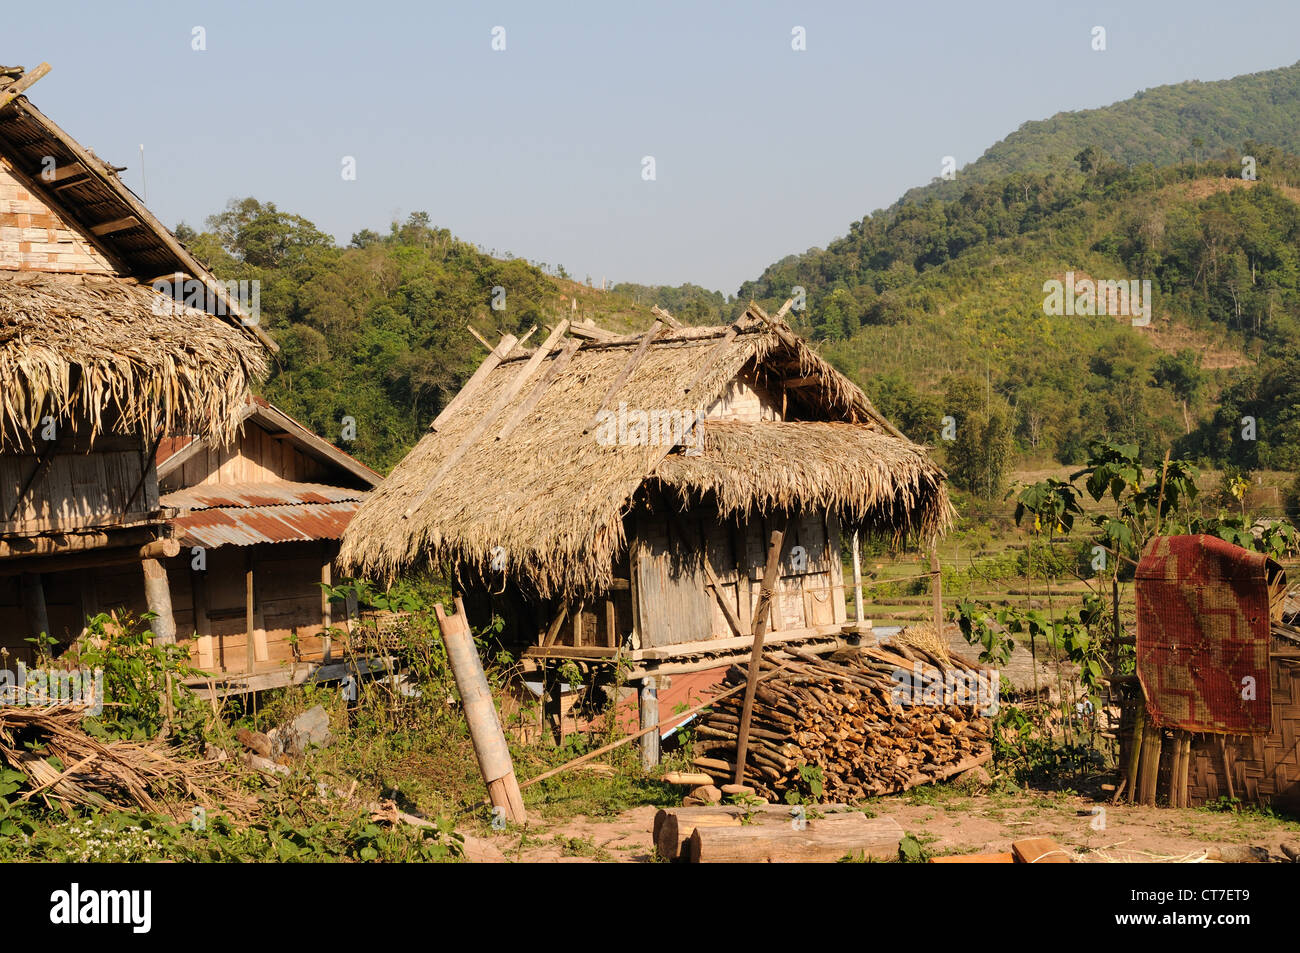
<point x="22" y="84"/>
<point x="770" y="576"/>
<point x="648" y="705"/>
<point x="325" y="608"/>
<point x="721" y="598"/>
<point x="67" y="170"/>
<point x="667" y="318"/>
<point x="476" y="379"/>
<point x="481" y="340"/>
<point x="479" y="429"/>
<point x="116" y="225"/>
<point x="250" y="658"/>
<point x="539" y="389"/>
<point x="857" y="581"/>
<point x="628" y="367"/>
<point x="592" y="332"/>
<point x="611" y="624"/>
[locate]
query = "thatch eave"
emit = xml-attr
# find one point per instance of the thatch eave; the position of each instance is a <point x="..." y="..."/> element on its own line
<point x="116" y="355"/>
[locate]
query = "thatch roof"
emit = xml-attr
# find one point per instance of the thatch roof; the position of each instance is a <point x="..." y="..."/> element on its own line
<point x="866" y="476"/>
<point x="119" y="353"/>
<point x="90" y="194"/>
<point x="550" y="498"/>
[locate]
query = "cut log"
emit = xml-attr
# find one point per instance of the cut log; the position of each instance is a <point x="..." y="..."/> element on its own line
<point x="825" y="840"/>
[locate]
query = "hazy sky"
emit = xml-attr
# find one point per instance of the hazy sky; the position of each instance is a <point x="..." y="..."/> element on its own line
<point x="760" y="151"/>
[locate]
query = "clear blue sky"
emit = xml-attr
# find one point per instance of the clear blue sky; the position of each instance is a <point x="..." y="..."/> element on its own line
<point x="760" y="151"/>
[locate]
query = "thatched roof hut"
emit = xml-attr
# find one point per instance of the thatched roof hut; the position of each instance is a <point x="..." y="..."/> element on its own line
<point x="516" y="482"/>
<point x="111" y="335"/>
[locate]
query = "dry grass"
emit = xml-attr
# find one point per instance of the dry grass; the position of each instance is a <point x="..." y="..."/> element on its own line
<point x="95" y="348"/>
<point x="108" y="775"/>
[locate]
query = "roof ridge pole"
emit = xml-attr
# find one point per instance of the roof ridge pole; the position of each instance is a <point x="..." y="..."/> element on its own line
<point x="667" y="318"/>
<point x="480" y="428"/>
<point x="489" y="364"/>
<point x="22" y="84"/>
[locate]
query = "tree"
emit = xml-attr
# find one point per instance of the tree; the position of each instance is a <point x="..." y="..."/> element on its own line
<point x="1182" y="374"/>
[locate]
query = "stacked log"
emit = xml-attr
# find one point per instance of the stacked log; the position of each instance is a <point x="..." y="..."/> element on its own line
<point x="874" y="721"/>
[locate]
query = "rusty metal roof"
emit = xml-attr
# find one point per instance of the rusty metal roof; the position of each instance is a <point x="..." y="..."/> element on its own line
<point x="245" y="495"/>
<point x="249" y="525"/>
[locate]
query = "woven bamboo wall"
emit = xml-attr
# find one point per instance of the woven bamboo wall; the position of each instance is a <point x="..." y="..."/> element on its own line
<point x="1264" y="770"/>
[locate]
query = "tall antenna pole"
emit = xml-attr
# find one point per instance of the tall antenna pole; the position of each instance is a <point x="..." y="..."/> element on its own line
<point x="144" y="186"/>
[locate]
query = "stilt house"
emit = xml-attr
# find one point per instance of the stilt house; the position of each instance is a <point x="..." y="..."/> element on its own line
<point x="96" y="365"/>
<point x="613" y="496"/>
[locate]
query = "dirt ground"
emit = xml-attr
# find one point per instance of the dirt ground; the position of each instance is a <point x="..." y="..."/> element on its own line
<point x="944" y="823"/>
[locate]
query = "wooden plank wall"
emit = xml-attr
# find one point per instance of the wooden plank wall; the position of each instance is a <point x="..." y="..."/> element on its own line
<point x="287" y="599"/>
<point x="84" y="485"/>
<point x="256" y="457"/>
<point x="673" y="602"/>
<point x="34" y="237"/>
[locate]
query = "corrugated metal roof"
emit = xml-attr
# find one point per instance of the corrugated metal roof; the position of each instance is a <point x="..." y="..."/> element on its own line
<point x="246" y="526"/>
<point x="231" y="495"/>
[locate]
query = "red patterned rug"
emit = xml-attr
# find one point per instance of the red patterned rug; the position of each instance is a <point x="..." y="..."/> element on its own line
<point x="1203" y="635"/>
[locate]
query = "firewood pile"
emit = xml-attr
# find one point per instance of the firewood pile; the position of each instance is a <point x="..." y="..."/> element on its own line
<point x="874" y="721"/>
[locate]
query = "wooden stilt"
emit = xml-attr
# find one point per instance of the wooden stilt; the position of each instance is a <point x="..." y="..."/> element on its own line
<point x="770" y="576"/>
<point x="649" y="697"/>
<point x="158" y="596"/>
<point x="857" y="582"/>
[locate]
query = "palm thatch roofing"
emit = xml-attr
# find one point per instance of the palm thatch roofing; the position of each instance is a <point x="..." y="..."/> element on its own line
<point x="91" y="195"/>
<point x="119" y="355"/>
<point x="549" y="499"/>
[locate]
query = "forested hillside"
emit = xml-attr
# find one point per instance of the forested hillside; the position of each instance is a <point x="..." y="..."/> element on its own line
<point x="1184" y="122"/>
<point x="942" y="302"/>
<point x="934" y="306"/>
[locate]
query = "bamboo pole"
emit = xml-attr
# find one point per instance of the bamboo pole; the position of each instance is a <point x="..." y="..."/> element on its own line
<point x="770" y="576"/>
<point x="480" y="712"/>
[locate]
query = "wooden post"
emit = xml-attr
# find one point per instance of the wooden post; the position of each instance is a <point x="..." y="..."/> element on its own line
<point x="33" y="598"/>
<point x="158" y="596"/>
<point x="552" y="700"/>
<point x="202" y="622"/>
<point x="936" y="584"/>
<point x="770" y="575"/>
<point x="250" y="659"/>
<point x="481" y="714"/>
<point x="857" y="583"/>
<point x="325" y="614"/>
<point x="649" y="697"/>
